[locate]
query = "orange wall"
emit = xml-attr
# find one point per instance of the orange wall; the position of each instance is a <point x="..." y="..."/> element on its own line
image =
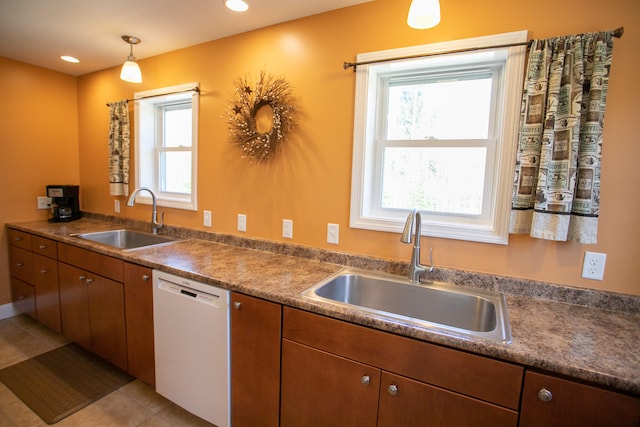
<point x="38" y="144"/>
<point x="309" y="180"/>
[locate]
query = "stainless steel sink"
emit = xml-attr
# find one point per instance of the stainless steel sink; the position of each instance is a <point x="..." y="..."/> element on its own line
<point x="125" y="239"/>
<point x="463" y="312"/>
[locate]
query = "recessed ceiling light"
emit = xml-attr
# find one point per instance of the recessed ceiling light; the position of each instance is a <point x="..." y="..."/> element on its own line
<point x="69" y="59"/>
<point x="236" y="5"/>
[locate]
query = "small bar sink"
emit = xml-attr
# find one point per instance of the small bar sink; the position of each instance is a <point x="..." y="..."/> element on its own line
<point x="125" y="239"/>
<point x="464" y="312"/>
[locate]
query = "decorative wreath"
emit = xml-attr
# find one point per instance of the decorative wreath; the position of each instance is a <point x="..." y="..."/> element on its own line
<point x="245" y="104"/>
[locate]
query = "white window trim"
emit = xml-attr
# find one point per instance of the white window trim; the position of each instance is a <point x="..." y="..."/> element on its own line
<point x="495" y="230"/>
<point x="165" y="199"/>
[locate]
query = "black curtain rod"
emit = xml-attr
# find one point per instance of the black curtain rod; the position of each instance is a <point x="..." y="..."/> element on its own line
<point x="193" y="89"/>
<point x="616" y="33"/>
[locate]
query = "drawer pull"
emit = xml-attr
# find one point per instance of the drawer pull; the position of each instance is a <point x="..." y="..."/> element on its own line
<point x="43" y="271"/>
<point x="545" y="395"/>
<point x="21" y="297"/>
<point x="145" y="277"/>
<point x="365" y="380"/>
<point x="17" y="239"/>
<point x="43" y="246"/>
<point x="392" y="389"/>
<point x="89" y="280"/>
<point x="237" y="305"/>
<point x="19" y="264"/>
<point x="82" y="277"/>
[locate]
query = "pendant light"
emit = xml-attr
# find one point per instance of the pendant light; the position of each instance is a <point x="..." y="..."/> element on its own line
<point x="130" y="69"/>
<point x="424" y="14"/>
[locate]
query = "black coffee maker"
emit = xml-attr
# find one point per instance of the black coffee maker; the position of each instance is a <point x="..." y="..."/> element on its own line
<point x="65" y="202"/>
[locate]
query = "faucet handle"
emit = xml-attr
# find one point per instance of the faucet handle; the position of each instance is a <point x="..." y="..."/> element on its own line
<point x="431" y="260"/>
<point x="161" y="222"/>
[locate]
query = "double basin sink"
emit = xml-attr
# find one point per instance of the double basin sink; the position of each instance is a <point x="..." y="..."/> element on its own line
<point x="451" y="310"/>
<point x="125" y="239"/>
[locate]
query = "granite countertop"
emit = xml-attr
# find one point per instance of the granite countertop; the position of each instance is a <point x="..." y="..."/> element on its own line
<point x="583" y="342"/>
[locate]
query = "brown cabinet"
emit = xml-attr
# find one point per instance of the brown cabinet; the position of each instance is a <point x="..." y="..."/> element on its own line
<point x="92" y="302"/>
<point x="552" y="401"/>
<point x="47" y="294"/>
<point x="429" y="384"/>
<point x="23" y="297"/>
<point x="255" y="361"/>
<point x="138" y="302"/>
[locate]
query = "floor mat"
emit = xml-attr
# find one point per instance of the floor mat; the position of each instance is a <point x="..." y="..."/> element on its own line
<point x="62" y="381"/>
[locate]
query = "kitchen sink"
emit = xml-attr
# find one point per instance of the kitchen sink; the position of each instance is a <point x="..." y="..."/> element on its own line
<point x="125" y="239"/>
<point x="453" y="310"/>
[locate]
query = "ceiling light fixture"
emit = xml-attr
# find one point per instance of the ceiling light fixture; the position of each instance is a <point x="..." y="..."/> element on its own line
<point x="424" y="14"/>
<point x="130" y="69"/>
<point x="68" y="58"/>
<point x="236" y="5"/>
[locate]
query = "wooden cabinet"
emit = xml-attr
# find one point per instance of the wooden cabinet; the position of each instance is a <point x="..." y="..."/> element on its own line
<point x="23" y="297"/>
<point x="47" y="294"/>
<point x="428" y="383"/>
<point x="255" y="361"/>
<point x="138" y="302"/>
<point x="552" y="401"/>
<point x="92" y="302"/>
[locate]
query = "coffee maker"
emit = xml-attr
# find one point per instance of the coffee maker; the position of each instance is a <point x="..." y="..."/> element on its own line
<point x="65" y="202"/>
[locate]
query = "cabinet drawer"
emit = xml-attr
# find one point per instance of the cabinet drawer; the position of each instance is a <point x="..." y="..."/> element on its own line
<point x="22" y="295"/>
<point x="477" y="376"/>
<point x="19" y="238"/>
<point x="103" y="265"/>
<point x="21" y="264"/>
<point x="42" y="246"/>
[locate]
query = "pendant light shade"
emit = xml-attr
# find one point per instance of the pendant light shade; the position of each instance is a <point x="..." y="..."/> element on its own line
<point x="424" y="14"/>
<point x="130" y="69"/>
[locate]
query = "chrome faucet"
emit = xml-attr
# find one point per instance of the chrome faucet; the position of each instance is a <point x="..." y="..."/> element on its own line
<point x="415" y="268"/>
<point x="155" y="225"/>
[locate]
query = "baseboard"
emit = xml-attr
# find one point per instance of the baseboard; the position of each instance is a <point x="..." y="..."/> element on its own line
<point x="7" y="310"/>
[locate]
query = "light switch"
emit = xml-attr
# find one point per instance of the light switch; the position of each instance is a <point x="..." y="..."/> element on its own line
<point x="242" y="222"/>
<point x="333" y="233"/>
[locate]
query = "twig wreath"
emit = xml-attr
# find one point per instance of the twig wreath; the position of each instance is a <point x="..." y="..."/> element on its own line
<point x="269" y="91"/>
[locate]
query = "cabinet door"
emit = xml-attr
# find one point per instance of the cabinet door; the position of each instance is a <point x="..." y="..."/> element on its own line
<point x="321" y="389"/>
<point x="74" y="305"/>
<point x="405" y="402"/>
<point x="550" y="401"/>
<point x="138" y="303"/>
<point x="45" y="283"/>
<point x="255" y="361"/>
<point x="22" y="295"/>
<point x="106" y="314"/>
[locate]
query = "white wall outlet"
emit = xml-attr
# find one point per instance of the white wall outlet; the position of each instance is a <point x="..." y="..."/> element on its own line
<point x="44" y="202"/>
<point x="206" y="218"/>
<point x="116" y="206"/>
<point x="593" y="266"/>
<point x="242" y="222"/>
<point x="333" y="233"/>
<point x="287" y="228"/>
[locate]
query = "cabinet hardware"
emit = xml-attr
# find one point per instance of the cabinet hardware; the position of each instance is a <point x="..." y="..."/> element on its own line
<point x="392" y="389"/>
<point x="82" y="277"/>
<point x="545" y="395"/>
<point x="17" y="239"/>
<point x="237" y="305"/>
<point x="19" y="264"/>
<point x="43" y="246"/>
<point x="365" y="380"/>
<point x="43" y="271"/>
<point x="145" y="277"/>
<point x="21" y="297"/>
<point x="89" y="280"/>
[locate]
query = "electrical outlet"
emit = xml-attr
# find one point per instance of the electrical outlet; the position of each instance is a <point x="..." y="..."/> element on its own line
<point x="44" y="202"/>
<point x="242" y="222"/>
<point x="206" y="218"/>
<point x="287" y="228"/>
<point x="333" y="233"/>
<point x="593" y="266"/>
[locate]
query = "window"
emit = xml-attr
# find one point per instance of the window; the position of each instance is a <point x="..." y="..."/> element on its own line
<point x="166" y="145"/>
<point x="439" y="134"/>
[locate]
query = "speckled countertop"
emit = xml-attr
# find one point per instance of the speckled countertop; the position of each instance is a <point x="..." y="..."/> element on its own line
<point x="583" y="340"/>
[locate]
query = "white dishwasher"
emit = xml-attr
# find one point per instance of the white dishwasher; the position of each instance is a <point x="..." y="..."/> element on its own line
<point x="191" y="327"/>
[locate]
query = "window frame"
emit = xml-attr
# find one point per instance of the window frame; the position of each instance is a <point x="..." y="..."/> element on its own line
<point x="149" y="105"/>
<point x="366" y="211"/>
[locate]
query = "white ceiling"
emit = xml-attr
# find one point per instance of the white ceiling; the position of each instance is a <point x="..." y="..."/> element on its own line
<point x="39" y="31"/>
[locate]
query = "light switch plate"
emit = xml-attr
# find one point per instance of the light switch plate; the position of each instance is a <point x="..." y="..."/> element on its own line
<point x="287" y="228"/>
<point x="242" y="222"/>
<point x="333" y="233"/>
<point x="206" y="218"/>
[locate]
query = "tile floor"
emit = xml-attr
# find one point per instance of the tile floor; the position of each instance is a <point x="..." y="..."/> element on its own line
<point x="135" y="404"/>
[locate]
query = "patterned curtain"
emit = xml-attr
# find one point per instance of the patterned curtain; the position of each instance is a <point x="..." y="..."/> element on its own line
<point x="119" y="148"/>
<point x="557" y="182"/>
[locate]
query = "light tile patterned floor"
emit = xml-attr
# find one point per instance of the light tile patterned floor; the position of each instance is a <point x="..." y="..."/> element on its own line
<point x="135" y="404"/>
